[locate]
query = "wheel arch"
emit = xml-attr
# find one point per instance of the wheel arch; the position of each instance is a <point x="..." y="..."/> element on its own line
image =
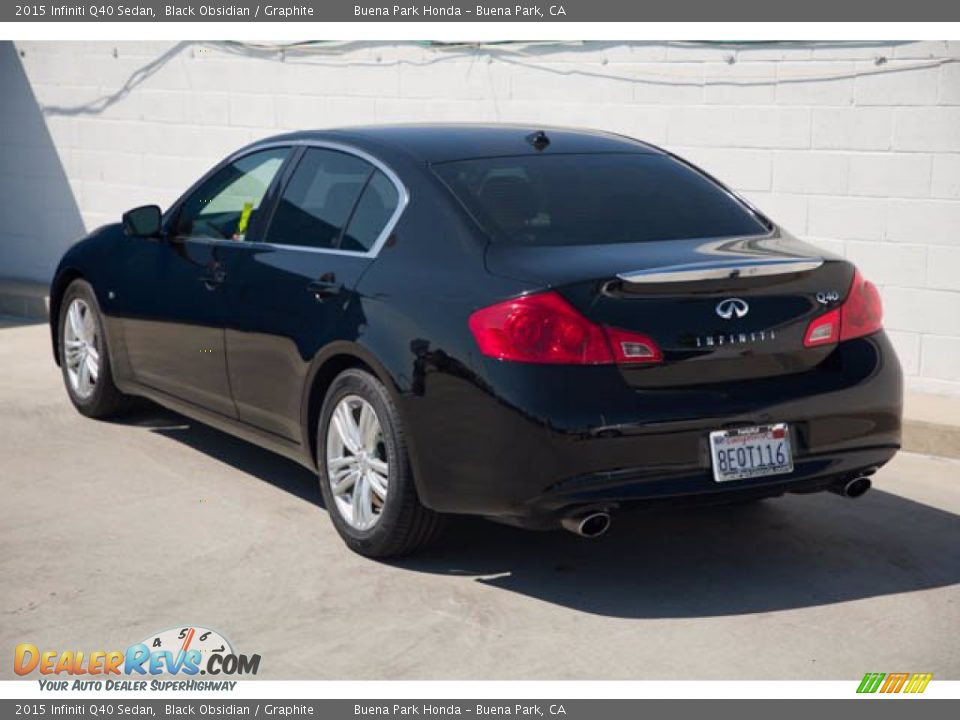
<point x="329" y="363"/>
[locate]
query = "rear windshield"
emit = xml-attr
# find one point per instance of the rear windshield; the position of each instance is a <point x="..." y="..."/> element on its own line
<point x="594" y="199"/>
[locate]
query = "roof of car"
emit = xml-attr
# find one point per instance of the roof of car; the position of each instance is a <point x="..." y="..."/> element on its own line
<point x="445" y="142"/>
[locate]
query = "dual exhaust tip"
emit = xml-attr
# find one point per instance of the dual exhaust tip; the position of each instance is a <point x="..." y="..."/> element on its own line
<point x="595" y="523"/>
<point x="854" y="488"/>
<point x="589" y="525"/>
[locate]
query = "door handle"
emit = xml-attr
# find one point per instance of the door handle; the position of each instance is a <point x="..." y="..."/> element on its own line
<point x="213" y="276"/>
<point x="326" y="286"/>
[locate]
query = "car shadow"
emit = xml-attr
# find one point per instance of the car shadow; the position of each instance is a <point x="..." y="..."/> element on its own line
<point x="793" y="552"/>
<point x="280" y="472"/>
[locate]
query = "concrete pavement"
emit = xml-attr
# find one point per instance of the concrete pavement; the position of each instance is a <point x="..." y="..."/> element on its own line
<point x="111" y="531"/>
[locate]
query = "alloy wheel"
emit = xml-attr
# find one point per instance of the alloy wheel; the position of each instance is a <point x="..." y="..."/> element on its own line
<point x="81" y="348"/>
<point x="357" y="467"/>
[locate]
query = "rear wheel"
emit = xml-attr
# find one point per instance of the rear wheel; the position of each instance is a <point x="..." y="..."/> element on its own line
<point x="365" y="474"/>
<point x="84" y="356"/>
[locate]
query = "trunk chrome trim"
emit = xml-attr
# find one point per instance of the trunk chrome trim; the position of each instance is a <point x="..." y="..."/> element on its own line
<point x="721" y="269"/>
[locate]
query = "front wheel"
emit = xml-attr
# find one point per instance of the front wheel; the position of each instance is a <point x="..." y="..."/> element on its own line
<point x="365" y="474"/>
<point x="84" y="356"/>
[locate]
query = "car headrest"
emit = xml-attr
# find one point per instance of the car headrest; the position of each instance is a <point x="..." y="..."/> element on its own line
<point x="509" y="200"/>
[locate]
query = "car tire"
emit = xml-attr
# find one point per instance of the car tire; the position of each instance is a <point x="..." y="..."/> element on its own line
<point x="82" y="345"/>
<point x="389" y="526"/>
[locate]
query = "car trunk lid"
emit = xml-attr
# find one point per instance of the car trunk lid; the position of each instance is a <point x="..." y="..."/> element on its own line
<point x="719" y="310"/>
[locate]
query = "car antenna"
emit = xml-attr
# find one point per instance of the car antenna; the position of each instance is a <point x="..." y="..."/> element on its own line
<point x="538" y="139"/>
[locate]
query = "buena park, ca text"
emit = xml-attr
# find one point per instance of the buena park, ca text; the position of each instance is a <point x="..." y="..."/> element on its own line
<point x="522" y="710"/>
<point x="517" y="11"/>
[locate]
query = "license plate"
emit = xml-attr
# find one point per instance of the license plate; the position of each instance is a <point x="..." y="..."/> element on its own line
<point x="751" y="452"/>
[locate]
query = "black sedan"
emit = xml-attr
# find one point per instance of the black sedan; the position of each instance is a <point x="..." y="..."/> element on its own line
<point x="536" y="326"/>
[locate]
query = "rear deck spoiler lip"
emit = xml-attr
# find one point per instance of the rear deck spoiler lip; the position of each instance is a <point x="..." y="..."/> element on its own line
<point x="722" y="269"/>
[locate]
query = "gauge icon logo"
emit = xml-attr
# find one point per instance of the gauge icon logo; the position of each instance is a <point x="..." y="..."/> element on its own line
<point x="181" y="640"/>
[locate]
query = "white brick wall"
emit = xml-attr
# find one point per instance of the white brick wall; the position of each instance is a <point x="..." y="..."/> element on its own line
<point x="855" y="147"/>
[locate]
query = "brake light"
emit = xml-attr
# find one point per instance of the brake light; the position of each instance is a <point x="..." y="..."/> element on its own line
<point x="545" y="328"/>
<point x="861" y="314"/>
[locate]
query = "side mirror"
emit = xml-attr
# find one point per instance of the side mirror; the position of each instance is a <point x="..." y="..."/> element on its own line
<point x="143" y="221"/>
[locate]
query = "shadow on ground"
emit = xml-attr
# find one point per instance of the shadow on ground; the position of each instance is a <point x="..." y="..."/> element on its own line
<point x="13" y="321"/>
<point x="267" y="466"/>
<point x="793" y="552"/>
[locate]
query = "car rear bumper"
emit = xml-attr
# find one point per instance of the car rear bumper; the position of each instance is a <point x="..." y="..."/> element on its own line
<point x="529" y="443"/>
<point x="812" y="473"/>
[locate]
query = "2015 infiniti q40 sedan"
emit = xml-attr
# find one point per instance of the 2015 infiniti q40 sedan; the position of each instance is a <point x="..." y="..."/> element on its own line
<point x="537" y="326"/>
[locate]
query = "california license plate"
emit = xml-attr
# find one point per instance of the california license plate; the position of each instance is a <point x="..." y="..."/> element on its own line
<point x="751" y="452"/>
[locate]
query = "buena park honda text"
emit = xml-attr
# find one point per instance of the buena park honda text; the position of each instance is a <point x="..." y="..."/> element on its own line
<point x="536" y="326"/>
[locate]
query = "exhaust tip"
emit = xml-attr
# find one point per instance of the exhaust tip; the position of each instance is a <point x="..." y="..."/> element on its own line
<point x="856" y="487"/>
<point x="590" y="525"/>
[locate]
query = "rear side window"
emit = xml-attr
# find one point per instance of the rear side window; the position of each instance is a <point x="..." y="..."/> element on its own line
<point x="594" y="199"/>
<point x="319" y="199"/>
<point x="376" y="206"/>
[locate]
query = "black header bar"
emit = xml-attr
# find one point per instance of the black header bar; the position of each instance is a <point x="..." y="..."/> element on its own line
<point x="484" y="11"/>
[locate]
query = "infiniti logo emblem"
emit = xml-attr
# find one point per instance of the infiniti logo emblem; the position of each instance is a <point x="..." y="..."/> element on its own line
<point x="732" y="306"/>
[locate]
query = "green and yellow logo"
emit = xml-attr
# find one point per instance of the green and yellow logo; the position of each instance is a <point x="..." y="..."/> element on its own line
<point x="895" y="682"/>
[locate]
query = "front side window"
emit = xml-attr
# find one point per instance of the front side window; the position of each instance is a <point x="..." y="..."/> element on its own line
<point x="594" y="199"/>
<point x="319" y="200"/>
<point x="224" y="206"/>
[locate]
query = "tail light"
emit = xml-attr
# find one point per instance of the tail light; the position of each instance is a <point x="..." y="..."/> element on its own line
<point x="631" y="347"/>
<point x="861" y="314"/>
<point x="545" y="328"/>
<point x="823" y="330"/>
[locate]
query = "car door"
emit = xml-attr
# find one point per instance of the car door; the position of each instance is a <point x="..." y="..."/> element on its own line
<point x="292" y="290"/>
<point x="173" y="315"/>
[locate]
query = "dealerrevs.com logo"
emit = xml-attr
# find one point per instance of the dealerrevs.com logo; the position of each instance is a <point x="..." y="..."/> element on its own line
<point x="187" y="652"/>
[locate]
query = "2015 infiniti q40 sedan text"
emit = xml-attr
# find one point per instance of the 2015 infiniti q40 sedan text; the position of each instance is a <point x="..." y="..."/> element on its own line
<point x="537" y="326"/>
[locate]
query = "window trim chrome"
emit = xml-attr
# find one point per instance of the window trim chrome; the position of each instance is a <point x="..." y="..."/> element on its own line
<point x="402" y="192"/>
<point x="402" y="201"/>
